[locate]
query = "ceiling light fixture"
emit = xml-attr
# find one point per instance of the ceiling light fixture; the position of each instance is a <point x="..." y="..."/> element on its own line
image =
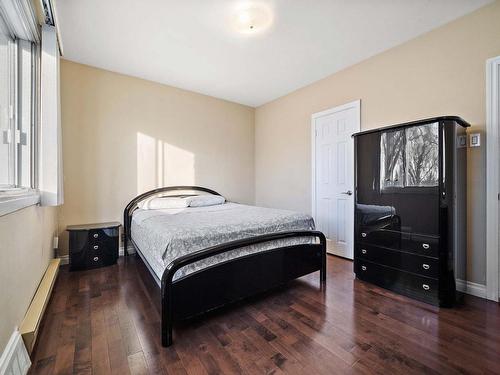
<point x="253" y="17"/>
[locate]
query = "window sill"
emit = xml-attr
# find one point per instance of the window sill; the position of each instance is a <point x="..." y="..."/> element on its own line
<point x="17" y="199"/>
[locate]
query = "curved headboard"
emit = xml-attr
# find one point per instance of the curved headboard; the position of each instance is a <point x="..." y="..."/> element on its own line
<point x="133" y="204"/>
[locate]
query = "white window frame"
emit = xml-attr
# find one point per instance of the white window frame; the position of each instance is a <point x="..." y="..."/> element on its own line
<point x="21" y="192"/>
<point x="8" y="134"/>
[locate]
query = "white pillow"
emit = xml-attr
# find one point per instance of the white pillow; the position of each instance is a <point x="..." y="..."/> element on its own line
<point x="159" y="203"/>
<point x="206" y="200"/>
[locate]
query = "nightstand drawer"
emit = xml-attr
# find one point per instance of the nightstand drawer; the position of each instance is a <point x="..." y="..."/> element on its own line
<point x="94" y="261"/>
<point x="106" y="254"/>
<point x="102" y="235"/>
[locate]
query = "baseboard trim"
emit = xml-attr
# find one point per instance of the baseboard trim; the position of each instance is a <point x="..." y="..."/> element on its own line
<point x="64" y="259"/>
<point x="474" y="289"/>
<point x="130" y="250"/>
<point x="15" y="359"/>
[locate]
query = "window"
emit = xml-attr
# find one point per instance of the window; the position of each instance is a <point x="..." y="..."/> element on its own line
<point x="7" y="105"/>
<point x="409" y="157"/>
<point x="18" y="111"/>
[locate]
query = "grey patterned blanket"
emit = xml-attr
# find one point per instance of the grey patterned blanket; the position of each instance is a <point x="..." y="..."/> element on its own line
<point x="164" y="235"/>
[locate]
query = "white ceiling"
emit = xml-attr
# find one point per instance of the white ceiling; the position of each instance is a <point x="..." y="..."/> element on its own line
<point x="190" y="43"/>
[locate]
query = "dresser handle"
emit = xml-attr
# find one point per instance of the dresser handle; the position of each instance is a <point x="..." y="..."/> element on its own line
<point x="425" y="246"/>
<point x="363" y="251"/>
<point x="96" y="247"/>
<point x="363" y="268"/>
<point x="96" y="259"/>
<point x="425" y="286"/>
<point x="363" y="234"/>
<point x="96" y="235"/>
<point x="425" y="266"/>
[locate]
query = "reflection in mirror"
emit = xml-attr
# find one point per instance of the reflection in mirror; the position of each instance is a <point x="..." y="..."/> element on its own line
<point x="409" y="157"/>
<point x="422" y="148"/>
<point x="391" y="159"/>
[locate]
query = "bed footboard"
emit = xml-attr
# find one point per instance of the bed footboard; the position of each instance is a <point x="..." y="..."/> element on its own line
<point x="238" y="278"/>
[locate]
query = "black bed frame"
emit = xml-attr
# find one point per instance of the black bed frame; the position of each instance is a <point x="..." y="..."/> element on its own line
<point x="229" y="281"/>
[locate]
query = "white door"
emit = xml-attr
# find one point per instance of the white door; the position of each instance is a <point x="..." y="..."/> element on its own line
<point x="333" y="176"/>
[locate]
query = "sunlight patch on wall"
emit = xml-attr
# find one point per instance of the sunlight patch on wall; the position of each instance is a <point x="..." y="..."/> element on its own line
<point x="178" y="166"/>
<point x="146" y="163"/>
<point x="162" y="164"/>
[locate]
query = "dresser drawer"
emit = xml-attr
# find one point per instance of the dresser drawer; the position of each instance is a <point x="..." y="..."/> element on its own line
<point x="417" y="264"/>
<point x="409" y="242"/>
<point x="380" y="237"/>
<point x="421" y="244"/>
<point x="411" y="285"/>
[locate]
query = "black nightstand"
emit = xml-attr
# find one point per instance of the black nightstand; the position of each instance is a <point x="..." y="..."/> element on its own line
<point x="93" y="245"/>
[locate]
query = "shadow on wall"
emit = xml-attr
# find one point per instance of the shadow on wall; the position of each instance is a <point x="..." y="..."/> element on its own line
<point x="162" y="164"/>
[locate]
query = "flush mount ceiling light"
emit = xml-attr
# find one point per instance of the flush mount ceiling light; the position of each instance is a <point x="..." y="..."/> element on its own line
<point x="250" y="18"/>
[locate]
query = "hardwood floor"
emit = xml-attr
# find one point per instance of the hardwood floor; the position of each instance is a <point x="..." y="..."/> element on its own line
<point x="103" y="321"/>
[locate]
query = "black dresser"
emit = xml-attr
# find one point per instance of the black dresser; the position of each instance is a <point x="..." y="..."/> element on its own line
<point x="410" y="212"/>
<point x="93" y="245"/>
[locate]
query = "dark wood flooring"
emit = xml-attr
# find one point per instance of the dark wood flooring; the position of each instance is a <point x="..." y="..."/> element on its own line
<point x="103" y="321"/>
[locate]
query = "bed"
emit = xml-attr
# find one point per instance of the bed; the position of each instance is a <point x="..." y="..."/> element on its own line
<point x="197" y="259"/>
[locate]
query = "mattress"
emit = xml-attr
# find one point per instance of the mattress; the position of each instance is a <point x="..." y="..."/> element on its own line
<point x="165" y="235"/>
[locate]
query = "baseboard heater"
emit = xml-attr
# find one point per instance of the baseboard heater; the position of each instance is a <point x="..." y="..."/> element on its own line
<point x="31" y="323"/>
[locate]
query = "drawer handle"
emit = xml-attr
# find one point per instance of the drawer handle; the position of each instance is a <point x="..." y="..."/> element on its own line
<point x="363" y="251"/>
<point x="426" y="266"/>
<point x="96" y="259"/>
<point x="363" y="268"/>
<point x="96" y="247"/>
<point x="96" y="235"/>
<point x="425" y="246"/>
<point x="363" y="234"/>
<point x="425" y="286"/>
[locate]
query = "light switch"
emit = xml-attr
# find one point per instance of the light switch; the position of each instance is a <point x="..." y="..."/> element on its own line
<point x="462" y="141"/>
<point x="475" y="140"/>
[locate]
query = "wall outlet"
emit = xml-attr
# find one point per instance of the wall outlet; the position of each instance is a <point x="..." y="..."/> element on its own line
<point x="55" y="242"/>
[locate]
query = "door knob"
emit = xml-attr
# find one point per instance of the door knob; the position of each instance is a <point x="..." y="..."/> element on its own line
<point x="348" y="192"/>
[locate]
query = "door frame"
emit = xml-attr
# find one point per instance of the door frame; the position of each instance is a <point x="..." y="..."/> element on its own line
<point x="492" y="177"/>
<point x="356" y="104"/>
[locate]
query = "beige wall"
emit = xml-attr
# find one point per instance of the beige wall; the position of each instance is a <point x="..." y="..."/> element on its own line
<point x="123" y="136"/>
<point x="442" y="72"/>
<point x="26" y="248"/>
